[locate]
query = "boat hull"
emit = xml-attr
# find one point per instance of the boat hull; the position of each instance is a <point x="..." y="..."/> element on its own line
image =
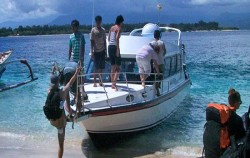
<point x="140" y="117"/>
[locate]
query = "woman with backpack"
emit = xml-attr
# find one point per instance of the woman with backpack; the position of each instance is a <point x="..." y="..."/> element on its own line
<point x="223" y="124"/>
<point x="54" y="106"/>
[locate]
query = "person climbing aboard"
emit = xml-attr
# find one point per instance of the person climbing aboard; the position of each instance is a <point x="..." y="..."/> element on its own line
<point x="65" y="75"/>
<point x="54" y="105"/>
<point x="160" y="50"/>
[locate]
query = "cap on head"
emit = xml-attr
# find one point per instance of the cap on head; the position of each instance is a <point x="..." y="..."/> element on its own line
<point x="54" y="79"/>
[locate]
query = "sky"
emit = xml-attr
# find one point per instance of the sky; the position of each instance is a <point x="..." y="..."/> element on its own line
<point x="32" y="12"/>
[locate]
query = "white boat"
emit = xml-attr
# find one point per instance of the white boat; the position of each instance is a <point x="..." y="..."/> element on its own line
<point x="5" y="55"/>
<point x="3" y="64"/>
<point x="133" y="108"/>
<point x="3" y="58"/>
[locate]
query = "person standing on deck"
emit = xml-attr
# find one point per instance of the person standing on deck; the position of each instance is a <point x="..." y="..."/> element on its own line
<point x="114" y="49"/>
<point x="98" y="48"/>
<point x="143" y="59"/>
<point x="77" y="48"/>
<point x="161" y="56"/>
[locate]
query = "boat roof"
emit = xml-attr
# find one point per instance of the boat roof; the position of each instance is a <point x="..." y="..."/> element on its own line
<point x="130" y="44"/>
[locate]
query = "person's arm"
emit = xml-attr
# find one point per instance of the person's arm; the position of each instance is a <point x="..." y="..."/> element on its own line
<point x="92" y="41"/>
<point x="105" y="43"/>
<point x="70" y="50"/>
<point x="118" y="42"/>
<point x="92" y="48"/>
<point x="70" y="83"/>
<point x="109" y="35"/>
<point x="164" y="49"/>
<point x="82" y="49"/>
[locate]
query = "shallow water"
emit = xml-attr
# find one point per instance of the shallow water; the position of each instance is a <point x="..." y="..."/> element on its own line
<point x="216" y="61"/>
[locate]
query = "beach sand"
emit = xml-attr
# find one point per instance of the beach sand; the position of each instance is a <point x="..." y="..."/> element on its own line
<point x="50" y="151"/>
<point x="27" y="148"/>
<point x="30" y="148"/>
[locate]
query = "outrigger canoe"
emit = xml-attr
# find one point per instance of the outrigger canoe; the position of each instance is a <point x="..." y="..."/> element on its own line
<point x="4" y="62"/>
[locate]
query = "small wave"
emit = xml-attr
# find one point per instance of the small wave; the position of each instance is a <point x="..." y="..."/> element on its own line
<point x="186" y="151"/>
<point x="178" y="152"/>
<point x="12" y="135"/>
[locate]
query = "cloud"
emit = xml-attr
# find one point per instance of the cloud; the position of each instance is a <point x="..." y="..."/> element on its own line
<point x="17" y="10"/>
<point x="216" y="2"/>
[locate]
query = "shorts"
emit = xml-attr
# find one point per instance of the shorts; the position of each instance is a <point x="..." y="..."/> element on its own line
<point x="144" y="66"/>
<point x="67" y="78"/>
<point x="59" y="123"/>
<point x="99" y="60"/>
<point x="114" y="60"/>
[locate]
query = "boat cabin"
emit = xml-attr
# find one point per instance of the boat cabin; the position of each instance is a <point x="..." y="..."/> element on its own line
<point x="130" y="44"/>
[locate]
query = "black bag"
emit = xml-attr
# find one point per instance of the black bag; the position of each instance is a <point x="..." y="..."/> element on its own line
<point x="240" y="150"/>
<point x="51" y="108"/>
<point x="216" y="136"/>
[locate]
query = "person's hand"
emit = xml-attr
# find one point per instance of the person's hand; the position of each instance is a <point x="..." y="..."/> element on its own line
<point x="53" y="69"/>
<point x="78" y="69"/>
<point x="117" y="53"/>
<point x="92" y="54"/>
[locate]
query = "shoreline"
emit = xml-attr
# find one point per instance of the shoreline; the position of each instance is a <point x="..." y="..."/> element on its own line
<point x="25" y="148"/>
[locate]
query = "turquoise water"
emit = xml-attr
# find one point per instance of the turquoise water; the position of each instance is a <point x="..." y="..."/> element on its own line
<point x="216" y="61"/>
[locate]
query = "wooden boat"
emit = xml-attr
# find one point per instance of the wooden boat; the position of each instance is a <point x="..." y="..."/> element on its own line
<point x="3" y="64"/>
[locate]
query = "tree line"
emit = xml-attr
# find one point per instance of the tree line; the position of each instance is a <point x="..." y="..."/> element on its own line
<point x="66" y="29"/>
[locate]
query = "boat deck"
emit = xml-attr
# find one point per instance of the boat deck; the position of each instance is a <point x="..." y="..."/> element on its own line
<point x="100" y="97"/>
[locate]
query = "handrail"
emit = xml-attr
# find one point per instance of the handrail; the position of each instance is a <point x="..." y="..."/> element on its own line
<point x="128" y="89"/>
<point x="100" y="77"/>
<point x="174" y="29"/>
<point x="163" y="29"/>
<point x="118" y="81"/>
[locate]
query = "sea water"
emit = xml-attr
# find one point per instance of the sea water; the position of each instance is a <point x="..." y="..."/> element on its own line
<point x="216" y="61"/>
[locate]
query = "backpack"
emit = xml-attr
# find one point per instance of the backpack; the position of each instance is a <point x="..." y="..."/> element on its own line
<point x="240" y="149"/>
<point x="51" y="108"/>
<point x="216" y="136"/>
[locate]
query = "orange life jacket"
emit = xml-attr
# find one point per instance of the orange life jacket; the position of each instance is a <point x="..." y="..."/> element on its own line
<point x="224" y="112"/>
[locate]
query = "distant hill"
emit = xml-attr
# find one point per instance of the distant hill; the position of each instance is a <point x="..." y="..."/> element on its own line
<point x="240" y="20"/>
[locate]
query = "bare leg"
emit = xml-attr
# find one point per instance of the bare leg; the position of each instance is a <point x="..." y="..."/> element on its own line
<point x="94" y="78"/>
<point x="117" y="71"/>
<point x="113" y="67"/>
<point x="142" y="80"/>
<point x="100" y="77"/>
<point x="61" y="137"/>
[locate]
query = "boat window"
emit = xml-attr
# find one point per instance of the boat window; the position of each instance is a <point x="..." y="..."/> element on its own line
<point x="179" y="61"/>
<point x="173" y="65"/>
<point x="167" y="67"/>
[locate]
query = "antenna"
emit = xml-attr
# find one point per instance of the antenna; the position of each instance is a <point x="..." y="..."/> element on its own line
<point x="93" y="13"/>
<point x="159" y="8"/>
